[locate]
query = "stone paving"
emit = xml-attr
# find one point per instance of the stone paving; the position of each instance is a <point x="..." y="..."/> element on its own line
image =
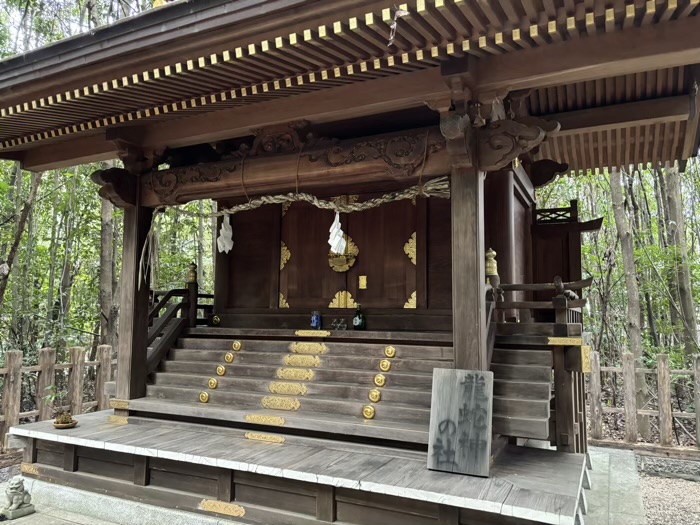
<point x="615" y="497"/>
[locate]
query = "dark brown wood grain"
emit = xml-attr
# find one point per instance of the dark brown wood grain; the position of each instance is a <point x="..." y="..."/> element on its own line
<point x="133" y="316"/>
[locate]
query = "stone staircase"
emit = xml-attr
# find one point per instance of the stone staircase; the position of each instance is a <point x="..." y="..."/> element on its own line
<point x="365" y="384"/>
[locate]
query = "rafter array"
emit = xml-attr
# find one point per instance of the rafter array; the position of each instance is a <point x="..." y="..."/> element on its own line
<point x="328" y="55"/>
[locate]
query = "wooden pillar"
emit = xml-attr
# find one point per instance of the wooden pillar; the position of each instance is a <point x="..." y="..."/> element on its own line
<point x="133" y="316"/>
<point x="468" y="274"/>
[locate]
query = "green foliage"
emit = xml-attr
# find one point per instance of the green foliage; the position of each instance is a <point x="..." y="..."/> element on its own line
<point x="657" y="264"/>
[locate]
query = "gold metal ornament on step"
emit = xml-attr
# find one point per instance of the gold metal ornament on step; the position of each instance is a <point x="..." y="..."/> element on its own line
<point x="312" y="333"/>
<point x="295" y="374"/>
<point x="380" y="380"/>
<point x="204" y="397"/>
<point x="343" y="262"/>
<point x="384" y="365"/>
<point x="305" y="361"/>
<point x="229" y="357"/>
<point x="213" y="383"/>
<point x="390" y="352"/>
<point x="220" y="370"/>
<point x="375" y="395"/>
<point x="260" y="419"/>
<point x="368" y="412"/>
<point x="236" y="346"/>
<point x="308" y="348"/>
<point x="410" y="248"/>
<point x="267" y="438"/>
<point x="280" y="403"/>
<point x="287" y="389"/>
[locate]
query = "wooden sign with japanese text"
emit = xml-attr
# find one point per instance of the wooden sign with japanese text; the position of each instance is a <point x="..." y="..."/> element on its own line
<point x="460" y="421"/>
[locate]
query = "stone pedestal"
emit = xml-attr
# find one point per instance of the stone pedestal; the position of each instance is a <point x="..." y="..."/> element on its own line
<point x="18" y="513"/>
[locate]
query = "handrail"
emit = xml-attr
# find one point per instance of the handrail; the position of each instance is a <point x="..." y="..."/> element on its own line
<point x="490" y="331"/>
<point x="178" y="292"/>
<point x="162" y="321"/>
<point x="537" y="305"/>
<point x="541" y="287"/>
<point x="164" y="344"/>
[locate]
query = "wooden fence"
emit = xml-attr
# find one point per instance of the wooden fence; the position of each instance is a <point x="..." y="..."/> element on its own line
<point x="46" y="371"/>
<point x="667" y="417"/>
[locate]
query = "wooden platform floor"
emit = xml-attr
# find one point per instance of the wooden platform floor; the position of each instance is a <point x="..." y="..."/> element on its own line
<point x="528" y="484"/>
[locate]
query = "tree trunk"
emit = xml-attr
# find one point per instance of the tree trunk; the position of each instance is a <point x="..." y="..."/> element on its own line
<point x="677" y="242"/>
<point x="634" y="332"/>
<point x="106" y="267"/>
<point x="18" y="234"/>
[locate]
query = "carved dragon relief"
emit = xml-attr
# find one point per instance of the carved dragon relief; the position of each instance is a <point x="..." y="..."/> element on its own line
<point x="500" y="142"/>
<point x="403" y="154"/>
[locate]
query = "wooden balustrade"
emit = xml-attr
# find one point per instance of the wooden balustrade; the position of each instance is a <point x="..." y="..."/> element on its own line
<point x="73" y="373"/>
<point x="665" y="413"/>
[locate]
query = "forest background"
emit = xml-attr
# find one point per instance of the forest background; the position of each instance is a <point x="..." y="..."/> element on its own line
<point x="60" y="243"/>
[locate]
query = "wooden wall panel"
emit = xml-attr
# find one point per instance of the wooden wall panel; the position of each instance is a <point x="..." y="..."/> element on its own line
<point x="439" y="257"/>
<point x="252" y="267"/>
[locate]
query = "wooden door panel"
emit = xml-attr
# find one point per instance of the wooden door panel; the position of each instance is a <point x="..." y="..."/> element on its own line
<point x="254" y="259"/>
<point x="307" y="281"/>
<point x="380" y="234"/>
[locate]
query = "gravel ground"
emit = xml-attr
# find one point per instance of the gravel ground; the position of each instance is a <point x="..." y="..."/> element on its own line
<point x="670" y="501"/>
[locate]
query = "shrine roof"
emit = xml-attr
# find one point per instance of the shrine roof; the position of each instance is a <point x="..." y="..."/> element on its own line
<point x="619" y="78"/>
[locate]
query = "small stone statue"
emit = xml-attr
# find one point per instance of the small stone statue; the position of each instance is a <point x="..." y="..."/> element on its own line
<point x="18" y="502"/>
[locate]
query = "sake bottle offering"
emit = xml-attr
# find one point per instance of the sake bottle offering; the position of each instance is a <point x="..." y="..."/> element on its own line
<point x="359" y="322"/>
<point x="316" y="320"/>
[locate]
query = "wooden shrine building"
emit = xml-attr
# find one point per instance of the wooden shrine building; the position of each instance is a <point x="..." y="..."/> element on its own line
<point x="284" y="111"/>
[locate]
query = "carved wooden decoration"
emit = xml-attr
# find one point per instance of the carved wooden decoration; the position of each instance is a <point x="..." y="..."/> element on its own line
<point x="278" y="139"/>
<point x="502" y="141"/>
<point x="117" y="186"/>
<point x="457" y="132"/>
<point x="460" y="421"/>
<point x="277" y="168"/>
<point x="402" y="154"/>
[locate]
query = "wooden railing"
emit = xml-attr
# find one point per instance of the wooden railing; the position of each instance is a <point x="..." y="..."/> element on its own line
<point x="670" y="422"/>
<point x="68" y="376"/>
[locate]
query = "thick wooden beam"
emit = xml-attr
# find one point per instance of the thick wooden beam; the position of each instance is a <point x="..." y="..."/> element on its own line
<point x="65" y="154"/>
<point x="655" y="46"/>
<point x="643" y="112"/>
<point x="133" y="316"/>
<point x="366" y="98"/>
<point x="468" y="279"/>
<point x="324" y="164"/>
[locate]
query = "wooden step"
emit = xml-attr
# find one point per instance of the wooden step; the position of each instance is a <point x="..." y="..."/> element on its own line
<point x="430" y="338"/>
<point x="525" y="427"/>
<point x="406" y="395"/>
<point x="275" y="420"/>
<point x="536" y="329"/>
<point x="326" y="375"/>
<point x="216" y="357"/>
<point x="238" y="400"/>
<point x="516" y="407"/>
<point x="440" y="353"/>
<point x="522" y="372"/>
<point x="522" y="356"/>
<point x="511" y="388"/>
